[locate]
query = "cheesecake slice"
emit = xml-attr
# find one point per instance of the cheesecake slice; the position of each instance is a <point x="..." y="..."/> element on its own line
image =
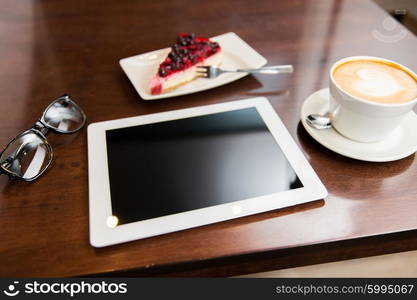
<point x="179" y="67"/>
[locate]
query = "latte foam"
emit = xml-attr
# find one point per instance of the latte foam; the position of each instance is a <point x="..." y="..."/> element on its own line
<point x="376" y="81"/>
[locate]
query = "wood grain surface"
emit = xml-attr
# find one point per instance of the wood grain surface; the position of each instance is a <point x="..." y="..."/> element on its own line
<point x="49" y="48"/>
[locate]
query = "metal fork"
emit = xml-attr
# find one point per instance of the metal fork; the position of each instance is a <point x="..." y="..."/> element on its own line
<point x="213" y="72"/>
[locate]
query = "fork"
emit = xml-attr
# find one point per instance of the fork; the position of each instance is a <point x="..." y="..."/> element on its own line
<point x="213" y="72"/>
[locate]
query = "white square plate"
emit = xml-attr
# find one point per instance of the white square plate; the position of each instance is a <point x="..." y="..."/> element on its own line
<point x="236" y="54"/>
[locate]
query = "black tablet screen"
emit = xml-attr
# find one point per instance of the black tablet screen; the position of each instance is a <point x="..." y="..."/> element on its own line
<point x="175" y="166"/>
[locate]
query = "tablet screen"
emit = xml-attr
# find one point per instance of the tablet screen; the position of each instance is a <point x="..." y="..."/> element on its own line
<point x="175" y="166"/>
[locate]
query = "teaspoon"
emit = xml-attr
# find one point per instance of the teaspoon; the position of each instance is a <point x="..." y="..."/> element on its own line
<point x="318" y="121"/>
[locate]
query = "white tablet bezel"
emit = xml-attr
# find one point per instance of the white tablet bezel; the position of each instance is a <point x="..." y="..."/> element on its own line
<point x="100" y="211"/>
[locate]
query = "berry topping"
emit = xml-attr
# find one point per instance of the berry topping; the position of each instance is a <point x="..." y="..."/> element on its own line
<point x="187" y="51"/>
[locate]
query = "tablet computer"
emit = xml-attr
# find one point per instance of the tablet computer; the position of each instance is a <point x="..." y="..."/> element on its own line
<point x="169" y="171"/>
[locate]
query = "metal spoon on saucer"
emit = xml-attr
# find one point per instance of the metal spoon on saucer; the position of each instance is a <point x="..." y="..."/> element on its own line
<point x="318" y="121"/>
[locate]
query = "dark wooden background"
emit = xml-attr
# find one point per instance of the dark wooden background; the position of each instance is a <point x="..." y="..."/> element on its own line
<point x="48" y="48"/>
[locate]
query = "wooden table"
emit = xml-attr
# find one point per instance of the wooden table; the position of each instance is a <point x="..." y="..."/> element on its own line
<point x="53" y="47"/>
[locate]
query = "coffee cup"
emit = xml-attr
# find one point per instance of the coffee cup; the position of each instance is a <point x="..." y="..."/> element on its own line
<point x="370" y="97"/>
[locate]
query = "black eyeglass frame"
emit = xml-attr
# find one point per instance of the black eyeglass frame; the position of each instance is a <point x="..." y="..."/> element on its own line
<point x="41" y="129"/>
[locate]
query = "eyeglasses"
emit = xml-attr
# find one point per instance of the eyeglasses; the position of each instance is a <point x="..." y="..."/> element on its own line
<point x="29" y="154"/>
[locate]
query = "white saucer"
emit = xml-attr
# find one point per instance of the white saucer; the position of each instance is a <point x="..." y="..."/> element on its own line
<point x="401" y="143"/>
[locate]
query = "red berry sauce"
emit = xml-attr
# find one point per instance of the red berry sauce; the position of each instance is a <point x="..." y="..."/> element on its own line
<point x="187" y="51"/>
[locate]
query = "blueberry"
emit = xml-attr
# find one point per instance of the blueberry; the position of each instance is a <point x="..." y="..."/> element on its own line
<point x="162" y="72"/>
<point x="178" y="65"/>
<point x="214" y="46"/>
<point x="182" y="41"/>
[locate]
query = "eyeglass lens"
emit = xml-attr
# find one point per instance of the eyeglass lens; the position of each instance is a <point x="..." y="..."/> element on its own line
<point x="64" y="116"/>
<point x="27" y="156"/>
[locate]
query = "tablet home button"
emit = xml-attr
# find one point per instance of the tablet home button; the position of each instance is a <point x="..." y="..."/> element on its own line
<point x="237" y="209"/>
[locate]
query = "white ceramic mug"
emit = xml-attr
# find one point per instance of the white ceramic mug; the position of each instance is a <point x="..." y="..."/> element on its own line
<point x="363" y="120"/>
